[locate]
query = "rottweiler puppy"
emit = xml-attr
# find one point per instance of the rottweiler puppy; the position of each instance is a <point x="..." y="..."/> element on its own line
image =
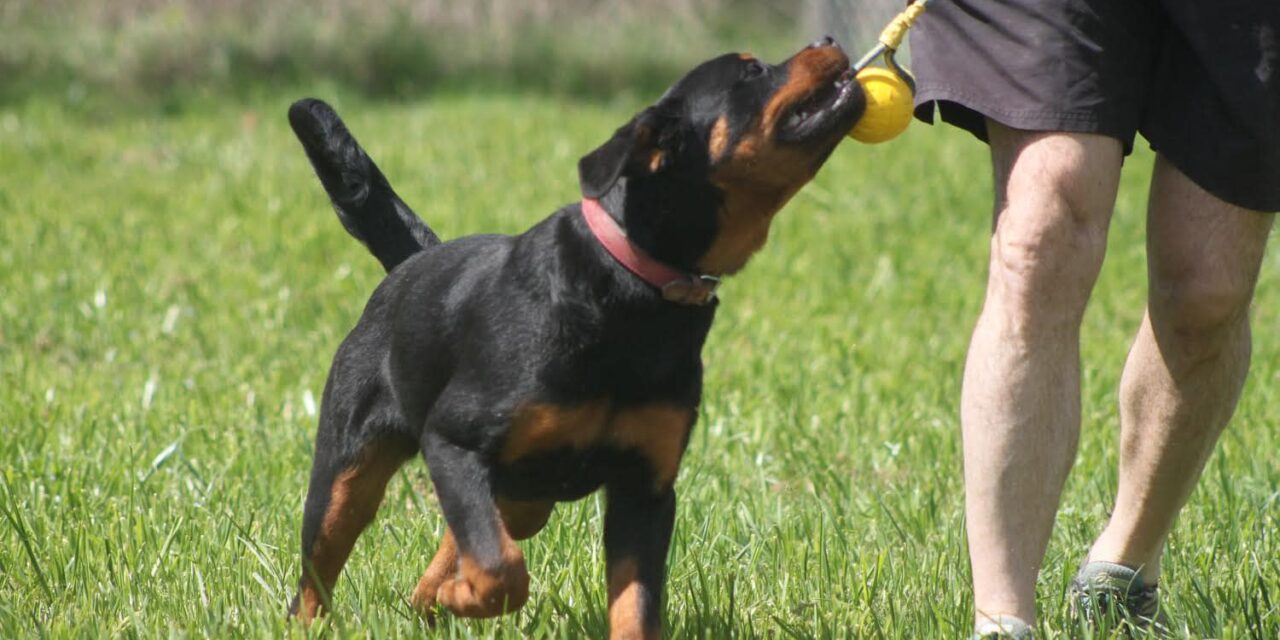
<point x="537" y="368"/>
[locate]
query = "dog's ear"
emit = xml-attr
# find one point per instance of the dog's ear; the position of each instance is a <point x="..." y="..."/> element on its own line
<point x="642" y="146"/>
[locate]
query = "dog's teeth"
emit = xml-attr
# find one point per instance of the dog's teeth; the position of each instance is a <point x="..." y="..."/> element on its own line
<point x="798" y="117"/>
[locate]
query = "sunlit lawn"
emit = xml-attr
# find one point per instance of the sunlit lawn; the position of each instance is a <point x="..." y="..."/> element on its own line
<point x="173" y="287"/>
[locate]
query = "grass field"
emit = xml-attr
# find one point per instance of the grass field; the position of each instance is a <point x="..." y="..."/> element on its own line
<point x="173" y="286"/>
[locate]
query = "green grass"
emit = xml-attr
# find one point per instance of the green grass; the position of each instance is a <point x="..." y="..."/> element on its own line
<point x="172" y="288"/>
<point x="144" y="51"/>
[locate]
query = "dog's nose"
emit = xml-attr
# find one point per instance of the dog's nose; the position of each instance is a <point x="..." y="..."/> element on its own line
<point x="824" y="41"/>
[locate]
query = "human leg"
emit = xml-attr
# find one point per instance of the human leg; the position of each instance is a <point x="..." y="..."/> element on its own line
<point x="1020" y="403"/>
<point x="1188" y="363"/>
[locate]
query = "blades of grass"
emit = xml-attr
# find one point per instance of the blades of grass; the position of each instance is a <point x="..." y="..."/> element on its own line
<point x="160" y="459"/>
<point x="168" y="541"/>
<point x="204" y="593"/>
<point x="16" y="522"/>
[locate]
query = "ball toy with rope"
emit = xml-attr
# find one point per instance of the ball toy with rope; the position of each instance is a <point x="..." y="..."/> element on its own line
<point x="890" y="90"/>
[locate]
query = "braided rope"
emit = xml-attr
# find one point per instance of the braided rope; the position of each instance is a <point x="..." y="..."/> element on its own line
<point x="893" y="34"/>
<point x="896" y="30"/>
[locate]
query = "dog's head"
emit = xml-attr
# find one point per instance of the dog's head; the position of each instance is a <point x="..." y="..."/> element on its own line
<point x="699" y="175"/>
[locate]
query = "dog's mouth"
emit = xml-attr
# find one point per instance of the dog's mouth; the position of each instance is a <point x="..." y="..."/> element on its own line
<point x="832" y="107"/>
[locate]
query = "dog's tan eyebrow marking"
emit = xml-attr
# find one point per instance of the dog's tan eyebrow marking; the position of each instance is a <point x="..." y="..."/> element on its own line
<point x="746" y="56"/>
<point x="655" y="161"/>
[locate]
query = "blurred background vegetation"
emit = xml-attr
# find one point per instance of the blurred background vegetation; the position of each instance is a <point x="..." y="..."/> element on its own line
<point x="167" y="51"/>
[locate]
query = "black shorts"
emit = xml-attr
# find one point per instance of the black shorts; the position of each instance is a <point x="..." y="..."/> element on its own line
<point x="1200" y="79"/>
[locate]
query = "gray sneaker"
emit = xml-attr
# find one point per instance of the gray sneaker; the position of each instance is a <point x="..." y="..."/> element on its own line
<point x="1003" y="628"/>
<point x="1106" y="593"/>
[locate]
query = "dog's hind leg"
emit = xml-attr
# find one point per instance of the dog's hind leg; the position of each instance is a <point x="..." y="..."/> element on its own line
<point x="342" y="500"/>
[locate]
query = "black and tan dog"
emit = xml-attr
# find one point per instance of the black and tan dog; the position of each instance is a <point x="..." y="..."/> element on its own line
<point x="537" y="368"/>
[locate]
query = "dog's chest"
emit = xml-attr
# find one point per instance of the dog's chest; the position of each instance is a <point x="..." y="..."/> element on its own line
<point x="579" y="446"/>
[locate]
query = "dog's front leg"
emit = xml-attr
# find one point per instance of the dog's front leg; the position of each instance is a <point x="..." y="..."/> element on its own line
<point x="491" y="578"/>
<point x="637" y="533"/>
<point x="521" y="520"/>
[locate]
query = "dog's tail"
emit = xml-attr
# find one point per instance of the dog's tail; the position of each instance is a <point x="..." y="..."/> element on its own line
<point x="363" y="199"/>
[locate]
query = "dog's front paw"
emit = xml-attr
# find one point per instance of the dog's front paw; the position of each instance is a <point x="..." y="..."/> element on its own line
<point x="476" y="593"/>
<point x="423" y="600"/>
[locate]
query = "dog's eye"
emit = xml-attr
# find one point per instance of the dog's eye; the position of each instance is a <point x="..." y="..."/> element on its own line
<point x="754" y="69"/>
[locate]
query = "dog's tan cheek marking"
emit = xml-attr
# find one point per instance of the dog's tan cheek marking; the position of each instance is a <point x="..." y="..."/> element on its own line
<point x="627" y="600"/>
<point x="758" y="177"/>
<point x="353" y="502"/>
<point x="658" y="433"/>
<point x="718" y="141"/>
<point x="745" y="177"/>
<point x="798" y="84"/>
<point x="803" y="75"/>
<point x="538" y="428"/>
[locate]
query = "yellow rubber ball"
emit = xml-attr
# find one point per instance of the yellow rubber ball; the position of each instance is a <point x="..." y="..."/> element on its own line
<point x="889" y="106"/>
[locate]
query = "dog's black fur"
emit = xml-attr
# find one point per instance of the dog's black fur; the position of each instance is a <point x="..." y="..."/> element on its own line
<point x="535" y="368"/>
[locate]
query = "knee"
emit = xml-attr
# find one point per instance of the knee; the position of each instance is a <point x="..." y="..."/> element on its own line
<point x="1055" y="193"/>
<point x="1045" y="258"/>
<point x="1196" y="316"/>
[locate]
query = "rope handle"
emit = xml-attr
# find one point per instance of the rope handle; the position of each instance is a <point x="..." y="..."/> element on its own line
<point x="896" y="30"/>
<point x="892" y="35"/>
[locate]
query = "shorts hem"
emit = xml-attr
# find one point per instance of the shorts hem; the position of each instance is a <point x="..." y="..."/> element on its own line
<point x="975" y="110"/>
<point x="1218" y="184"/>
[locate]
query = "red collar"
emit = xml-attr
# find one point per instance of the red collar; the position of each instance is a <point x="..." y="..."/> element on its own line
<point x="681" y="287"/>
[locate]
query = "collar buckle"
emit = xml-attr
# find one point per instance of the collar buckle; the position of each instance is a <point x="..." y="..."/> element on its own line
<point x="676" y="285"/>
<point x="696" y="290"/>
